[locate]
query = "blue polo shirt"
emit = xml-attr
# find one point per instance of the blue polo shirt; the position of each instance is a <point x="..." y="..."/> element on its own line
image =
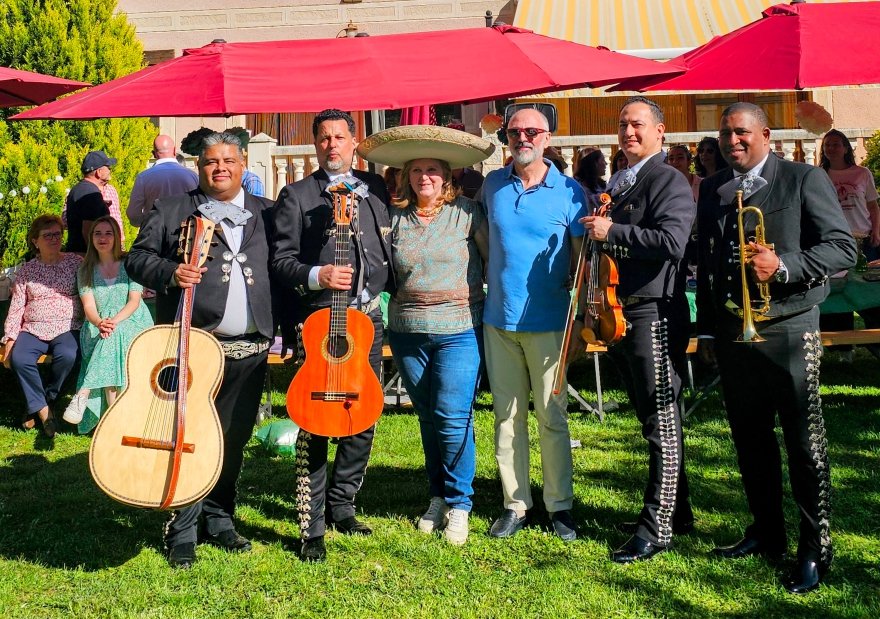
<point x="530" y="249"/>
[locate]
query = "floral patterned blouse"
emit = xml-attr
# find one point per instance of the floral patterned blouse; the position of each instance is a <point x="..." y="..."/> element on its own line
<point x="45" y="301"/>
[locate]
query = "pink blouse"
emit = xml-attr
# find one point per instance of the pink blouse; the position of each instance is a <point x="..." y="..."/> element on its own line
<point x="45" y="302"/>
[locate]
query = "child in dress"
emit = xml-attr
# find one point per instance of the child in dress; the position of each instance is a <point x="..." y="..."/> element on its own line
<point x="115" y="313"/>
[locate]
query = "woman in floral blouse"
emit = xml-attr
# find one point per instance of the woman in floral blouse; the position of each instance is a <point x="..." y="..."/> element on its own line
<point x="45" y="316"/>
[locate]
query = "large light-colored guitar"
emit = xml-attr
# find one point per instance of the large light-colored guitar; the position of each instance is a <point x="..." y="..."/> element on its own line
<point x="160" y="444"/>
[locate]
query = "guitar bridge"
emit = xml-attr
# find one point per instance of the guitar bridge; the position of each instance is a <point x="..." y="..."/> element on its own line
<point x="334" y="396"/>
<point x="148" y="443"/>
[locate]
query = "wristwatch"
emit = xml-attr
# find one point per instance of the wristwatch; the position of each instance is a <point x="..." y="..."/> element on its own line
<point x="781" y="274"/>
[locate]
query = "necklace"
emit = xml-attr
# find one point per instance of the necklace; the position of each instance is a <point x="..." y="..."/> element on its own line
<point x="429" y="212"/>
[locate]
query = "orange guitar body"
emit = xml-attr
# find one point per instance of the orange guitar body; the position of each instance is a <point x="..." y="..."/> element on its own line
<point x="336" y="392"/>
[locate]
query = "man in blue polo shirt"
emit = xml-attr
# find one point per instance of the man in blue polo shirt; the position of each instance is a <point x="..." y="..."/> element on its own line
<point x="534" y="239"/>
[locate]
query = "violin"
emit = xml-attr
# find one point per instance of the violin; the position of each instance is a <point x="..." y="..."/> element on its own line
<point x="603" y="314"/>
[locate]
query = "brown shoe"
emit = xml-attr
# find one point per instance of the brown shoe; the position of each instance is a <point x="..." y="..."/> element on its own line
<point x="49" y="427"/>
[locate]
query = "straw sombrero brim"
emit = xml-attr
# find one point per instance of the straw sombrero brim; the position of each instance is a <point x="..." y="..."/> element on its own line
<point x="394" y="147"/>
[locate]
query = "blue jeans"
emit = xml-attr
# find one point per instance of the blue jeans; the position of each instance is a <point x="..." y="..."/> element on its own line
<point x="440" y="373"/>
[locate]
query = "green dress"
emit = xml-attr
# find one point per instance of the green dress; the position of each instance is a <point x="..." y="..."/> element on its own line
<point x="103" y="360"/>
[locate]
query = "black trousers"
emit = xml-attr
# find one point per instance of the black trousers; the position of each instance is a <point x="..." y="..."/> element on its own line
<point x="317" y="497"/>
<point x="655" y="350"/>
<point x="237" y="403"/>
<point x="779" y="377"/>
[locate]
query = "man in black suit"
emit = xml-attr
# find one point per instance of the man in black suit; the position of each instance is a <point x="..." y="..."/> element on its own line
<point x="303" y="256"/>
<point x="233" y="302"/>
<point x="649" y="224"/>
<point x="779" y="376"/>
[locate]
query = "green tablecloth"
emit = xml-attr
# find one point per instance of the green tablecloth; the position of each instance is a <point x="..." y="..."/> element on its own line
<point x="850" y="294"/>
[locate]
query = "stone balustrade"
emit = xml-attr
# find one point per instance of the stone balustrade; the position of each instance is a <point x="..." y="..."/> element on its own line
<point x="280" y="165"/>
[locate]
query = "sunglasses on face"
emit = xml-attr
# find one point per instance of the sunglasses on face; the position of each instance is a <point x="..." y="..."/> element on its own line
<point x="531" y="133"/>
<point x="50" y="236"/>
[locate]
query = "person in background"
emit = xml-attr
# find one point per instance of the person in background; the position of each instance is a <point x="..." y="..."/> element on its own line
<point x="252" y="184"/>
<point x="618" y="165"/>
<point x="45" y="316"/>
<point x="469" y="180"/>
<point x="709" y="158"/>
<point x="115" y="313"/>
<point x="857" y="196"/>
<point x="390" y="178"/>
<point x="777" y="377"/>
<point x="589" y="171"/>
<point x="679" y="157"/>
<point x="85" y="203"/>
<point x="439" y="244"/>
<point x="166" y="177"/>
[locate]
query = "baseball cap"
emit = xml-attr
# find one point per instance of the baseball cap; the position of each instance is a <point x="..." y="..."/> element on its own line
<point x="96" y="159"/>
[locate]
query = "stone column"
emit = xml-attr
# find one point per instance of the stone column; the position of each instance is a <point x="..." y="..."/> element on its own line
<point x="260" y="161"/>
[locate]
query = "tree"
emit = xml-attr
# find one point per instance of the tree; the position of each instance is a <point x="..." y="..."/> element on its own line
<point x="872" y="160"/>
<point x="75" y="39"/>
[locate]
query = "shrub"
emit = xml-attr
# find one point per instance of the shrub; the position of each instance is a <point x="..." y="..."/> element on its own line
<point x="75" y="39"/>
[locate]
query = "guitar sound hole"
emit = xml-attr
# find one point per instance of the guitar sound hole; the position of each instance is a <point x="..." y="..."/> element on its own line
<point x="168" y="378"/>
<point x="337" y="346"/>
<point x="164" y="379"/>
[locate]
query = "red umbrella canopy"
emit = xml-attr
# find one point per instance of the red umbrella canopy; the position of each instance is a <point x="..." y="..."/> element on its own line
<point x="794" y="46"/>
<point x="27" y="88"/>
<point x="362" y="73"/>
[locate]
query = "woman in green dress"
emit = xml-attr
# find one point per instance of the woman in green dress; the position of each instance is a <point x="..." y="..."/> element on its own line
<point x="115" y="313"/>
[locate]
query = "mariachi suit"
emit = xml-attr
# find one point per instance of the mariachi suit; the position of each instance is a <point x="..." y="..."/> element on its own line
<point x="652" y="221"/>
<point x="304" y="226"/>
<point x="780" y="375"/>
<point x="151" y="262"/>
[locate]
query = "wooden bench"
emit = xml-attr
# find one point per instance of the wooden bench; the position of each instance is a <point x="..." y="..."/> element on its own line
<point x="699" y="393"/>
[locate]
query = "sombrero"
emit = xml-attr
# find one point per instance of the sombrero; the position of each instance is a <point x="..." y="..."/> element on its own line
<point x="395" y="146"/>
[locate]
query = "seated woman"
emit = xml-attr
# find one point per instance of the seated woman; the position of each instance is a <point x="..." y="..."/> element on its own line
<point x="439" y="245"/>
<point x="115" y="313"/>
<point x="45" y="316"/>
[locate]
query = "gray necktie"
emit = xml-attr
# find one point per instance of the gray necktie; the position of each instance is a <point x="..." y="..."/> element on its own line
<point x="624" y="183"/>
<point x="749" y="183"/>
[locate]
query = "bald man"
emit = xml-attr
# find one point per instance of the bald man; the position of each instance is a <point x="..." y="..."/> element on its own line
<point x="166" y="178"/>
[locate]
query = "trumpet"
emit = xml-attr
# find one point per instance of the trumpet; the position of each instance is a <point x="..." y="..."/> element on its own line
<point x="750" y="314"/>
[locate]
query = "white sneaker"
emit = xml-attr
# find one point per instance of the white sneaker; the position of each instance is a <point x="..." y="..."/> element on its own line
<point x="434" y="518"/>
<point x="456" y="526"/>
<point x="75" y="410"/>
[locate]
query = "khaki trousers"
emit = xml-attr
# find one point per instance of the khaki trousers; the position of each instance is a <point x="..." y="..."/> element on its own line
<point x="518" y="362"/>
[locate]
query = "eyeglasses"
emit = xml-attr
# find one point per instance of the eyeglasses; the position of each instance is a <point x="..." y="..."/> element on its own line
<point x="530" y="132"/>
<point x="50" y="236"/>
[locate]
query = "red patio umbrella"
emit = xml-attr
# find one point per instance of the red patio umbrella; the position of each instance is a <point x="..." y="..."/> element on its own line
<point x="791" y="47"/>
<point x="26" y="88"/>
<point x="361" y="73"/>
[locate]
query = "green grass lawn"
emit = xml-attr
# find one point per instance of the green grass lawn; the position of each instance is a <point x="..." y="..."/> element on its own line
<point x="66" y="550"/>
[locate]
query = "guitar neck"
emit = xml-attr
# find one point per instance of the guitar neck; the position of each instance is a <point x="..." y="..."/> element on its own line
<point x="340" y="302"/>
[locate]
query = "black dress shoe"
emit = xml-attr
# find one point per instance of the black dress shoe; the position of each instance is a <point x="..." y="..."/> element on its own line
<point x="507" y="525"/>
<point x="313" y="550"/>
<point x="636" y="549"/>
<point x="352" y="526"/>
<point x="229" y="540"/>
<point x="564" y="525"/>
<point x="747" y="547"/>
<point x="182" y="556"/>
<point x="630" y="528"/>
<point x="805" y="577"/>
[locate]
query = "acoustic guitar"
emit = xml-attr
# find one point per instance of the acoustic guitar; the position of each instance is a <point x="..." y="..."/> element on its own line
<point x="335" y="392"/>
<point x="160" y="444"/>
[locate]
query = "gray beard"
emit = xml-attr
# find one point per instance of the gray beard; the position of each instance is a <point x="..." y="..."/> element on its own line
<point x="334" y="166"/>
<point x="525" y="157"/>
